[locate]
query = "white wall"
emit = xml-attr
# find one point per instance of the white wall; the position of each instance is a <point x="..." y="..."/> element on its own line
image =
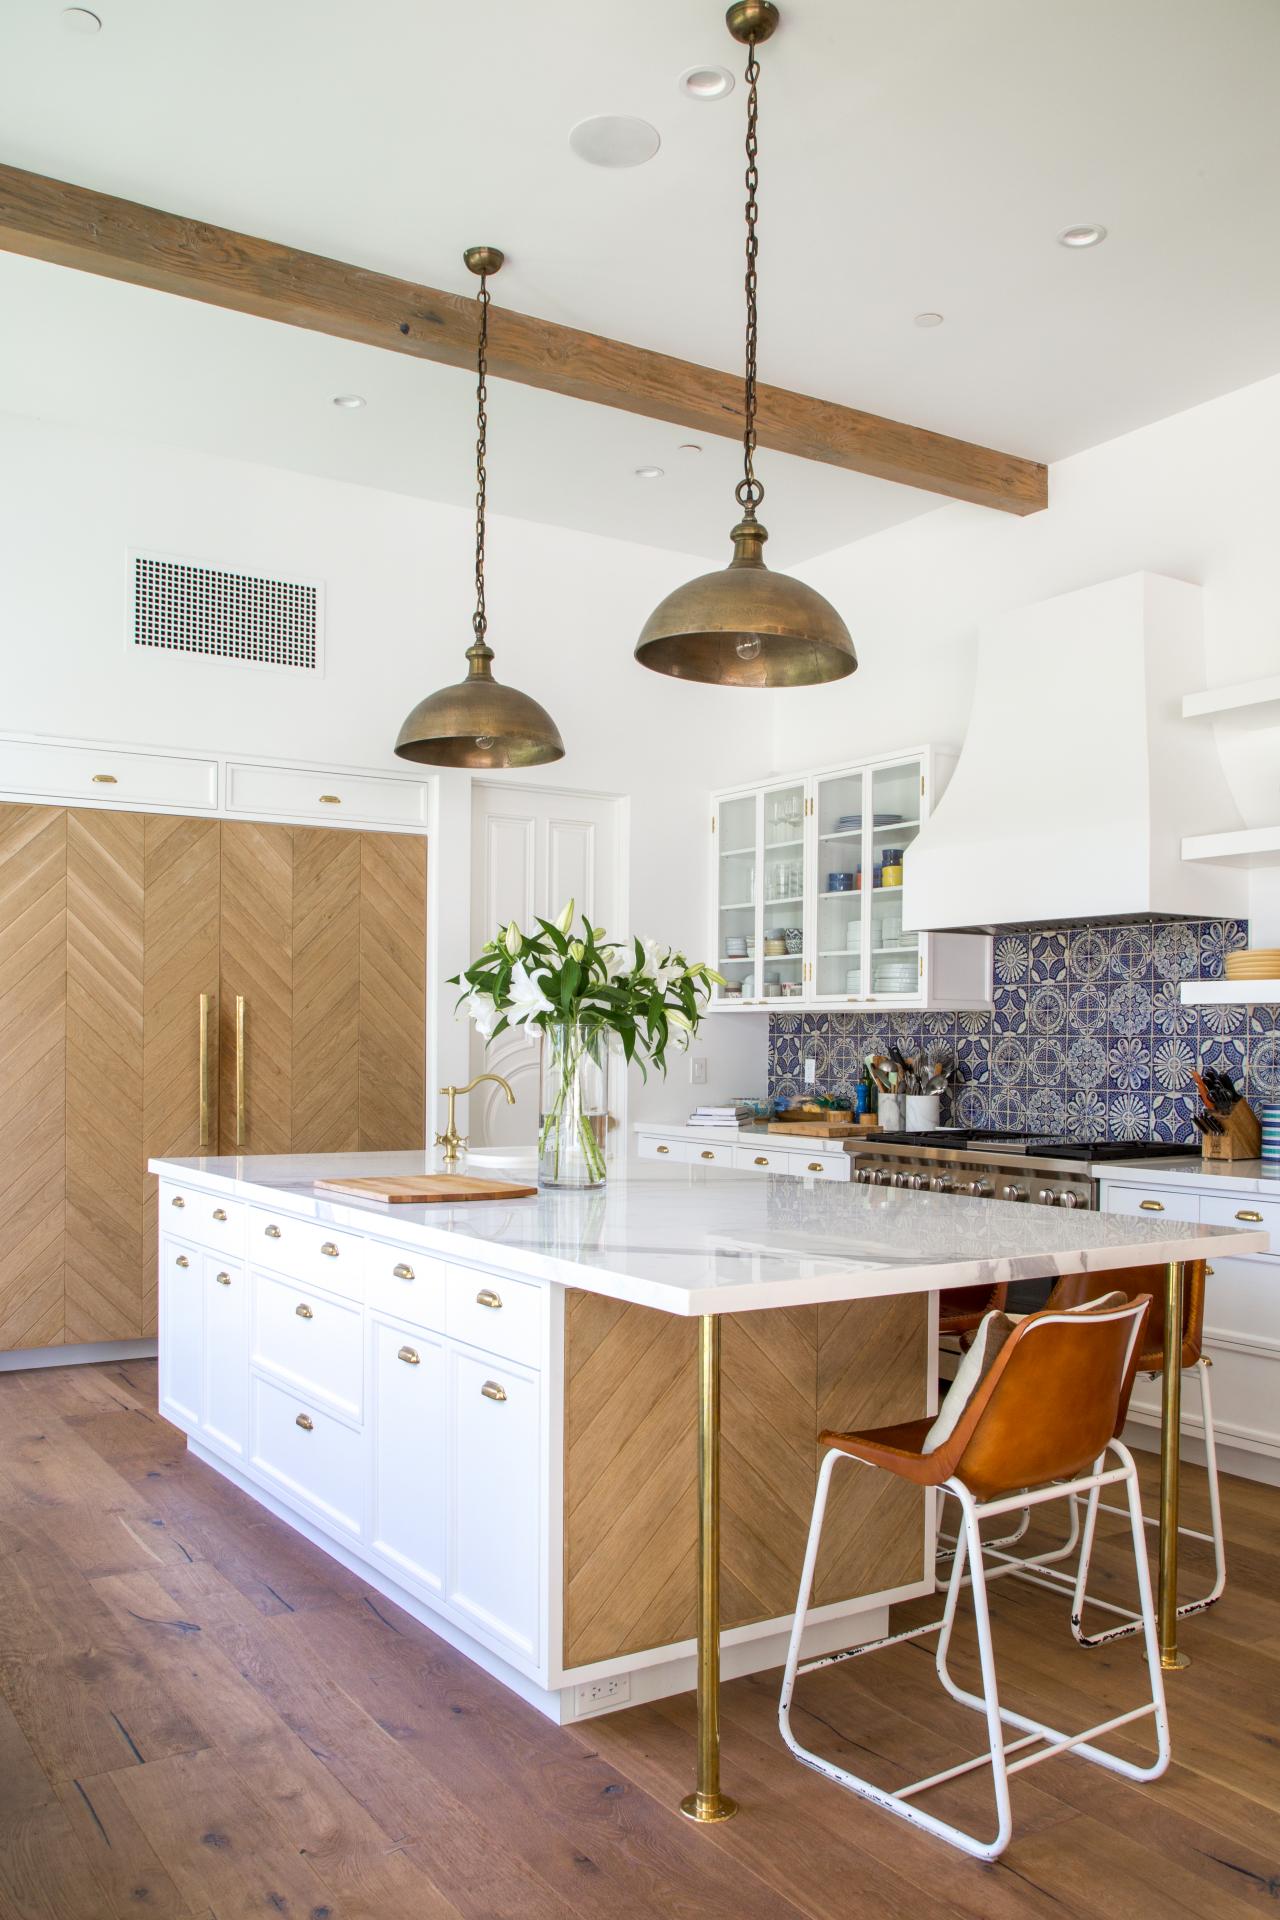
<point x="1196" y="496"/>
<point x="564" y="612"/>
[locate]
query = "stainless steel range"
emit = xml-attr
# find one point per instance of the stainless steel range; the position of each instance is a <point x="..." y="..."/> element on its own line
<point x="1033" y="1168"/>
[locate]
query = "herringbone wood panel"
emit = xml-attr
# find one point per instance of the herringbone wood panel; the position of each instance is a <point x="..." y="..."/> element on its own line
<point x="631" y="1455"/>
<point x="257" y="961"/>
<point x="326" y="991"/>
<point x="393" y="990"/>
<point x="180" y="962"/>
<point x="33" y="1002"/>
<point x="104" y="1136"/>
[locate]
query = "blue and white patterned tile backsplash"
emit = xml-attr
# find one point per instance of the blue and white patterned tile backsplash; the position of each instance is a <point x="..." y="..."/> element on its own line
<point x="1088" y="1035"/>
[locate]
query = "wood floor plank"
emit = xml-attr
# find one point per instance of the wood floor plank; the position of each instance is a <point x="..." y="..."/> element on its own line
<point x="120" y="1856"/>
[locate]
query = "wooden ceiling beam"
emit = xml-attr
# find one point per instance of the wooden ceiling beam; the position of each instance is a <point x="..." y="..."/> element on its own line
<point x="96" y="233"/>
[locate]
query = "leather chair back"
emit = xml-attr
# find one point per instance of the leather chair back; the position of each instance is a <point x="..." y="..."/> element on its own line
<point x="1074" y="1289"/>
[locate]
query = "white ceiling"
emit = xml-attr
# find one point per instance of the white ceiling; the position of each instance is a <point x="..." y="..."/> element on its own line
<point x="917" y="154"/>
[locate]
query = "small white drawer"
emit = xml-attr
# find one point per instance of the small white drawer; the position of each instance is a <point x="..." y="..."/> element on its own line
<point x="716" y="1154"/>
<point x="123" y="779"/>
<point x="310" y="1455"/>
<point x="1242" y="1211"/>
<point x="203" y="1217"/>
<point x="649" y="1147"/>
<point x="406" y="1284"/>
<point x="334" y="798"/>
<point x="823" y="1166"/>
<point x="314" y="1343"/>
<point x="305" y="1251"/>
<point x="497" y="1315"/>
<point x="762" y="1159"/>
<point x="1156" y="1203"/>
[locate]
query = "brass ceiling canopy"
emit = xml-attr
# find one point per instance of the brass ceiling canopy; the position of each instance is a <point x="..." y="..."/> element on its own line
<point x="478" y="723"/>
<point x="745" y="626"/>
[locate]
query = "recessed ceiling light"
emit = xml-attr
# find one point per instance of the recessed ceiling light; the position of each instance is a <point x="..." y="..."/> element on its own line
<point x="706" y="83"/>
<point x="615" y="140"/>
<point x="1082" y="236"/>
<point x="928" y="320"/>
<point x="80" y="20"/>
<point x="650" y="473"/>
<point x="348" y="400"/>
<point x="688" y="446"/>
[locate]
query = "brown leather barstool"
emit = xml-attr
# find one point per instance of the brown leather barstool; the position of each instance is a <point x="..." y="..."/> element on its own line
<point x="1076" y="1290"/>
<point x="961" y="1309"/>
<point x="1036" y="1428"/>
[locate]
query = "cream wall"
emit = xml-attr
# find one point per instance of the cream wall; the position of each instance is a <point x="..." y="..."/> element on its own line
<point x="564" y="609"/>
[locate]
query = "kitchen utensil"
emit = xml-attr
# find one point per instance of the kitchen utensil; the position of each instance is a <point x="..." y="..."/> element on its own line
<point x="423" y="1188"/>
<point x="1240" y="1137"/>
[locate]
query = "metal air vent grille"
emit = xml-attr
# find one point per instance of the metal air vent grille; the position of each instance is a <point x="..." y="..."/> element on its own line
<point x="182" y="606"/>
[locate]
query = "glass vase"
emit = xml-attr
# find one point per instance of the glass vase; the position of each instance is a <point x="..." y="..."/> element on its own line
<point x="574" y="1112"/>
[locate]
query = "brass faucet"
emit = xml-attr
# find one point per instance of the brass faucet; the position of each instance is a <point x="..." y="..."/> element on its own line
<point x="451" y="1140"/>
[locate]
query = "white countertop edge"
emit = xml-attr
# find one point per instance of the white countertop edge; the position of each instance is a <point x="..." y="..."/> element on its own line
<point x="1230" y="1175"/>
<point x="851" y="1283"/>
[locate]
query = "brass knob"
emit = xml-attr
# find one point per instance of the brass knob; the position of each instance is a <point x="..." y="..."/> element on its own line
<point x="1248" y="1213"/>
<point x="762" y="1159"/>
<point x="815" y="1166"/>
<point x="272" y="1233"/>
<point x="303" y="1311"/>
<point x="223" y="1279"/>
<point x="104" y="779"/>
<point x="331" y="799"/>
<point x="664" y="1149"/>
<point x="488" y="1298"/>
<point x="408" y="1355"/>
<point x="182" y="1260"/>
<point x="177" y="1201"/>
<point x="1155" y="1206"/>
<point x="402" y="1272"/>
<point x="707" y="1154"/>
<point x="330" y="1249"/>
<point x="492" y="1391"/>
<point x="1208" y="1273"/>
<point x="304" y="1421"/>
<point x="219" y="1213"/>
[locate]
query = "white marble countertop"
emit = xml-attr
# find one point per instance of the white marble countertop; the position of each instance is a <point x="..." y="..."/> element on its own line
<point x="1233" y="1176"/>
<point x="691" y="1240"/>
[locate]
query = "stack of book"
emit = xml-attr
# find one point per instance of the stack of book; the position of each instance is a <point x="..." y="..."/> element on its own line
<point x="732" y="1116"/>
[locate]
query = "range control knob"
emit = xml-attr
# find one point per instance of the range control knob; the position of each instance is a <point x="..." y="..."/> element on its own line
<point x="915" y="1181"/>
<point x="942" y="1183"/>
<point x="980" y="1189"/>
<point x="1069" y="1199"/>
<point x="1047" y="1197"/>
<point x="898" y="1180"/>
<point x="1013" y="1193"/>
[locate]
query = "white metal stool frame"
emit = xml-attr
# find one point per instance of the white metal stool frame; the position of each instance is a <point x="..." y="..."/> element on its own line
<point x="1052" y="1740"/>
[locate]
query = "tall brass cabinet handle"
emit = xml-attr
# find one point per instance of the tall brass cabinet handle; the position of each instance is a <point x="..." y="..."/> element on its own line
<point x="239" y="1069"/>
<point x="206" y="1002"/>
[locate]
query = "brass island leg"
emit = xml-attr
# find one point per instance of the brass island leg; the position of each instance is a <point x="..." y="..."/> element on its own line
<point x="708" y="1803"/>
<point x="1170" y="1453"/>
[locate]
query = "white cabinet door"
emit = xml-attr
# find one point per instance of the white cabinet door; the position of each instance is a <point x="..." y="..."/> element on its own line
<point x="181" y="1333"/>
<point x="226" y="1356"/>
<point x="409" y="1386"/>
<point x="495" y="1519"/>
<point x="1161" y="1203"/>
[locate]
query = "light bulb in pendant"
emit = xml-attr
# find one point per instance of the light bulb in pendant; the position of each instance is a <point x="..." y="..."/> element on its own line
<point x="748" y="648"/>
<point x="484" y="741"/>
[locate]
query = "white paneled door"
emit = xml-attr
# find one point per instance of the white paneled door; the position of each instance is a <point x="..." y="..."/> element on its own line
<point x="531" y="852"/>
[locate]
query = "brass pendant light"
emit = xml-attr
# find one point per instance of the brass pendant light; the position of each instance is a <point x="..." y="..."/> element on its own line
<point x="478" y="723"/>
<point x="745" y="626"/>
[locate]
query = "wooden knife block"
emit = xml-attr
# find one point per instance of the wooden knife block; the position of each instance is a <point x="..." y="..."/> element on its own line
<point x="1242" y="1139"/>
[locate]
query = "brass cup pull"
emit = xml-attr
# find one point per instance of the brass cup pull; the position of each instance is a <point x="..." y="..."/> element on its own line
<point x="492" y="1391"/>
<point x="331" y="799"/>
<point x="408" y="1355"/>
<point x="219" y="1213"/>
<point x="304" y="1421"/>
<point x="177" y="1201"/>
<point x="1151" y="1206"/>
<point x="815" y="1166"/>
<point x="402" y="1272"/>
<point x="104" y="780"/>
<point x="330" y="1249"/>
<point x="1248" y="1213"/>
<point x="707" y="1154"/>
<point x="488" y="1298"/>
<point x="303" y="1311"/>
<point x="762" y="1159"/>
<point x="182" y="1261"/>
<point x="223" y="1279"/>
<point x="272" y="1232"/>
<point x="664" y="1149"/>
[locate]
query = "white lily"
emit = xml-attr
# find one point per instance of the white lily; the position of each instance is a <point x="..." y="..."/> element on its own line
<point x="528" y="1000"/>
<point x="513" y="939"/>
<point x="677" y="1019"/>
<point x="660" y="965"/>
<point x="576" y="949"/>
<point x="565" y="918"/>
<point x="482" y="1011"/>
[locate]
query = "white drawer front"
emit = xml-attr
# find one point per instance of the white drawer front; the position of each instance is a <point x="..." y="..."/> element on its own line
<point x="497" y="1315"/>
<point x="717" y="1155"/>
<point x="648" y="1147"/>
<point x="332" y="797"/>
<point x="494" y="1573"/>
<point x="312" y="1342"/>
<point x="1156" y="1203"/>
<point x="226" y="1355"/>
<point x="409" y="1285"/>
<point x="823" y="1166"/>
<point x="124" y="779"/>
<point x="1242" y="1211"/>
<point x="305" y="1251"/>
<point x="181" y="1332"/>
<point x="762" y="1159"/>
<point x="310" y="1455"/>
<point x="204" y="1217"/>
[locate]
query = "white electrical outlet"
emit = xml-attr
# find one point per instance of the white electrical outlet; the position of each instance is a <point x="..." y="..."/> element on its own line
<point x="810" y="1072"/>
<point x="698" y="1070"/>
<point x="600" y="1696"/>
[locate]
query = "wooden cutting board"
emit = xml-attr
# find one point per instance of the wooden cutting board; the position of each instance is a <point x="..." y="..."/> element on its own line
<point x="822" y="1129"/>
<point x="422" y="1188"/>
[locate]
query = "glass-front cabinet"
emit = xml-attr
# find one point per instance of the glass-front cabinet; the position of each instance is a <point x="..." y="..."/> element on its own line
<point x="808" y="888"/>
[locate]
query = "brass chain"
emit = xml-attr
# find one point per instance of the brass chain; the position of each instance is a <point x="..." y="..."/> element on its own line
<point x="479" y="619"/>
<point x="749" y="491"/>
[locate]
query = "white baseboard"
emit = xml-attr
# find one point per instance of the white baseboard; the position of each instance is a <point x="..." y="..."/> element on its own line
<point x="1242" y="1461"/>
<point x="97" y="1350"/>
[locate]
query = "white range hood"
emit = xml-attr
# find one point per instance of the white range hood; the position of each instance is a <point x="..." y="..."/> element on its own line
<point x="1078" y="777"/>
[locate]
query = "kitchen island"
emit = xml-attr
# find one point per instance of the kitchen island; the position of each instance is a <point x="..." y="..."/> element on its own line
<point x="489" y="1409"/>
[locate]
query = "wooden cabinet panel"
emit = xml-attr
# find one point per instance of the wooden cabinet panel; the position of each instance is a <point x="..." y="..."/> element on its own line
<point x="326" y="991"/>
<point x="393" y="991"/>
<point x="33" y="1002"/>
<point x="256" y="961"/>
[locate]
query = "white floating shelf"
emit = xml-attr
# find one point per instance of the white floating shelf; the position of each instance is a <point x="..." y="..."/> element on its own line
<point x="1244" y="699"/>
<point x="1230" y="993"/>
<point x="1242" y="847"/>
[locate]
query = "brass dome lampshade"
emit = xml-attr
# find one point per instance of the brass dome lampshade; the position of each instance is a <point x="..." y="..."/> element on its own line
<point x="477" y="722"/>
<point x="745" y="626"/>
